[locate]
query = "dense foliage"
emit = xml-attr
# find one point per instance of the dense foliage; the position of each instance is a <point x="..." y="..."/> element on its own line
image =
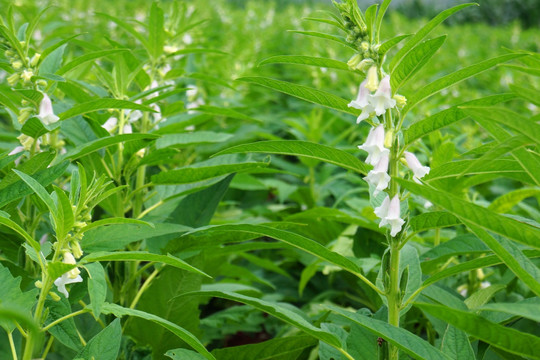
<point x="266" y="180"/>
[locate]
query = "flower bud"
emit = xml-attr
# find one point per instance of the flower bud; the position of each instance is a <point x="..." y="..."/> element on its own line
<point x="24" y="114"/>
<point x="401" y="100"/>
<point x="364" y="46"/>
<point x="9" y="53"/>
<point x="365" y="64"/>
<point x="354" y="61"/>
<point x="372" y="79"/>
<point x="27" y="75"/>
<point x="26" y="141"/>
<point x="35" y="59"/>
<point x="13" y="79"/>
<point x="17" y="64"/>
<point x="388" y="138"/>
<point x="54" y="296"/>
<point x="76" y="248"/>
<point x="38" y="284"/>
<point x="42" y="83"/>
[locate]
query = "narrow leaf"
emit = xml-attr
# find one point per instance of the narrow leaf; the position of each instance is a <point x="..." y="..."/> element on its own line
<point x="305" y="60"/>
<point x="302" y="149"/>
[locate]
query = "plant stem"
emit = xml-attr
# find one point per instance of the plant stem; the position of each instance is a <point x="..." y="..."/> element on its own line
<point x="393" y="297"/>
<point x="58" y="321"/>
<point x="31" y="338"/>
<point x="12" y="346"/>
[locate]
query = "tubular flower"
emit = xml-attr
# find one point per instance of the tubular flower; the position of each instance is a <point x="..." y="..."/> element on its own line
<point x="382" y="100"/>
<point x="374" y="145"/>
<point x="70" y="277"/>
<point x="362" y="102"/>
<point x="110" y="124"/>
<point x="372" y="79"/>
<point x="46" y="113"/>
<point x="379" y="175"/>
<point x="417" y="168"/>
<point x="389" y="213"/>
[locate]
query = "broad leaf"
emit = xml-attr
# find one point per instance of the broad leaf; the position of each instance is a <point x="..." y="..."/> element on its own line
<point x="105" y="345"/>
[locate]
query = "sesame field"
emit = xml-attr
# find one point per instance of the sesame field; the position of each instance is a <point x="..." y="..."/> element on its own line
<point x="269" y="180"/>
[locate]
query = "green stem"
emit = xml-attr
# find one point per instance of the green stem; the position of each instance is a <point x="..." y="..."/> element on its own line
<point x="12" y="346"/>
<point x="58" y="321"/>
<point x="393" y="297"/>
<point x="31" y="338"/>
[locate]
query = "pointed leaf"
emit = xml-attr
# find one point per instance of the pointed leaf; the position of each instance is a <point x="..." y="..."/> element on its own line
<point x="304" y="92"/>
<point x="97" y="287"/>
<point x="303" y="149"/>
<point x="105" y="345"/>
<point x="504" y="338"/>
<point x="183" y="334"/>
<point x="409" y="343"/>
<point x="305" y="60"/>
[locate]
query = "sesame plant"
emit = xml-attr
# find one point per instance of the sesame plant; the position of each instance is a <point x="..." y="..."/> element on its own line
<point x="156" y="205"/>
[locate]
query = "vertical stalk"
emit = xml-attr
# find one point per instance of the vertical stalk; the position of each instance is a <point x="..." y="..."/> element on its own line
<point x="393" y="295"/>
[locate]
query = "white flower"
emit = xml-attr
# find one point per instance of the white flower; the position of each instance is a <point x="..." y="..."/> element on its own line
<point x="428" y="204"/>
<point x="70" y="277"/>
<point x="374" y="145"/>
<point x="134" y="115"/>
<point x="64" y="280"/>
<point x="389" y="213"/>
<point x="127" y="129"/>
<point x="362" y="99"/>
<point x="379" y="176"/>
<point x="46" y="113"/>
<point x="362" y="102"/>
<point x="110" y="124"/>
<point x="382" y="100"/>
<point x="417" y="168"/>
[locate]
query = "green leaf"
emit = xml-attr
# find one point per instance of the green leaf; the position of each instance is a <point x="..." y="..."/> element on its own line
<point x="113" y="221"/>
<point x="127" y="27"/>
<point x="42" y="193"/>
<point x="499" y="168"/>
<point x="401" y="338"/>
<point x="320" y="35"/>
<point x="97" y="286"/>
<point x="226" y="112"/>
<point x="180" y="332"/>
<point x="529" y="94"/>
<point x="102" y="104"/>
<point x="500" y="149"/>
<point x="188" y="174"/>
<point x="33" y="127"/>
<point x="182" y="354"/>
<point x="478" y="263"/>
<point x="52" y="48"/>
<point x="302" y="149"/>
<point x="102" y="143"/>
<point x="115" y="237"/>
<point x="455" y="343"/>
<point x="447" y="117"/>
<point x="414" y="61"/>
<point x="19" y="230"/>
<point x="380" y="16"/>
<point x="105" y="345"/>
<point x="141" y="256"/>
<point x="80" y="60"/>
<point x="191" y="139"/>
<point x="304" y="92"/>
<point x="293" y="239"/>
<point x="528" y="311"/>
<point x="423" y="32"/>
<point x="305" y="60"/>
<point x="56" y="269"/>
<point x="455" y="77"/>
<point x="501" y="337"/>
<point x="65" y="212"/>
<point x="156" y="32"/>
<point x="12" y="298"/>
<point x="387" y="45"/>
<point x="65" y="331"/>
<point x="483" y="296"/>
<point x="508" y="119"/>
<point x="528" y="161"/>
<point x="477" y="215"/>
<point x="506" y="202"/>
<point x="433" y="220"/>
<point x="512" y="256"/>
<point x="285" y="348"/>
<point x="282" y="312"/>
